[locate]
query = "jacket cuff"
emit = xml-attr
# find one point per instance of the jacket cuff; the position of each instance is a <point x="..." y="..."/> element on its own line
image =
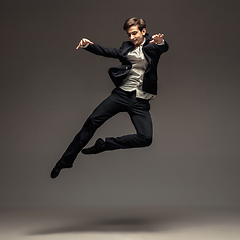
<point x="85" y="46"/>
<point x="162" y="43"/>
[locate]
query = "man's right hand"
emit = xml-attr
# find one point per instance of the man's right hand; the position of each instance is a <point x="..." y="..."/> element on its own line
<point x="84" y="42"/>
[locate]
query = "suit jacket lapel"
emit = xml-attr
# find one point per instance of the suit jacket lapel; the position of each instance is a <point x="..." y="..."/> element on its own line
<point x="128" y="49"/>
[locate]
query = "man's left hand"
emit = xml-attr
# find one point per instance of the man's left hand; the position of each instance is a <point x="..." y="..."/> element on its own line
<point x="157" y="38"/>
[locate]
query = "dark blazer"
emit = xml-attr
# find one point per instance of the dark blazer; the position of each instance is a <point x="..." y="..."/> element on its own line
<point x="152" y="53"/>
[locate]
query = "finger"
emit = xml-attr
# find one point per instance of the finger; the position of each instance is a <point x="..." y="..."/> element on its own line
<point x="86" y="41"/>
<point x="78" y="46"/>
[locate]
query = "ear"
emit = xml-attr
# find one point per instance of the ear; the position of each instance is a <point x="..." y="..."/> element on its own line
<point x="144" y="31"/>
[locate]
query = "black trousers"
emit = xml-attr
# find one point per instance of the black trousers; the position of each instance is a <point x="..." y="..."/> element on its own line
<point x="118" y="101"/>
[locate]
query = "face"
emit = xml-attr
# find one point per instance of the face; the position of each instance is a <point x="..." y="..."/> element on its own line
<point x="135" y="35"/>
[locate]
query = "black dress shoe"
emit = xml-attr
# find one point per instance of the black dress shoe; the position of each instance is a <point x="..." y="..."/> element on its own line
<point x="58" y="167"/>
<point x="98" y="147"/>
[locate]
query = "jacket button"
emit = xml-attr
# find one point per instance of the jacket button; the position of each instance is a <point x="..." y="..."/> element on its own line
<point x="126" y="67"/>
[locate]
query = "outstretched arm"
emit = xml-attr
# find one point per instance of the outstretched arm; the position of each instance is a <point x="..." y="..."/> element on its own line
<point x="97" y="49"/>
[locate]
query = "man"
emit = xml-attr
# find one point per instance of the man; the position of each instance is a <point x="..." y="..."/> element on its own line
<point x="136" y="84"/>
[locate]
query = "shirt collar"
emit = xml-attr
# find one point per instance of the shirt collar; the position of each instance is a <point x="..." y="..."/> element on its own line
<point x="143" y="42"/>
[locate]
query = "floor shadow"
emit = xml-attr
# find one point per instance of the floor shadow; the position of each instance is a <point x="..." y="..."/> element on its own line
<point x="119" y="223"/>
<point x="107" y="225"/>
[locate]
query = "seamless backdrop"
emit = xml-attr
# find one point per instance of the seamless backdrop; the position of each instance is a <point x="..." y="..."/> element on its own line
<point x="48" y="89"/>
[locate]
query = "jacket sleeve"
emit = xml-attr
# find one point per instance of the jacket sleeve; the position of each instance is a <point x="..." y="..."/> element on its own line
<point x="102" y="51"/>
<point x="164" y="47"/>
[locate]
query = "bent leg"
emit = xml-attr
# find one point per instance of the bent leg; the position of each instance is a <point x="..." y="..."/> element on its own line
<point x="141" y="119"/>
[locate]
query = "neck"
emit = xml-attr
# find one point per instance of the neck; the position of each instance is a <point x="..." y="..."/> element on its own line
<point x="140" y="42"/>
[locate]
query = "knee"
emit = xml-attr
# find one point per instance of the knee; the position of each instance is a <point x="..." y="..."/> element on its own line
<point x="146" y="141"/>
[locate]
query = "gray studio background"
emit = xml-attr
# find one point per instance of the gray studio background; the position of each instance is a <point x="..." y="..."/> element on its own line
<point x="48" y="89"/>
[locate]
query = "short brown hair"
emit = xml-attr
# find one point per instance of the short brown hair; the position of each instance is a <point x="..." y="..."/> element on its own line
<point x="134" y="22"/>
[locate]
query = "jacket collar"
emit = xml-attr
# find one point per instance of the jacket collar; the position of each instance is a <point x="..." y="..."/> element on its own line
<point x="148" y="38"/>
